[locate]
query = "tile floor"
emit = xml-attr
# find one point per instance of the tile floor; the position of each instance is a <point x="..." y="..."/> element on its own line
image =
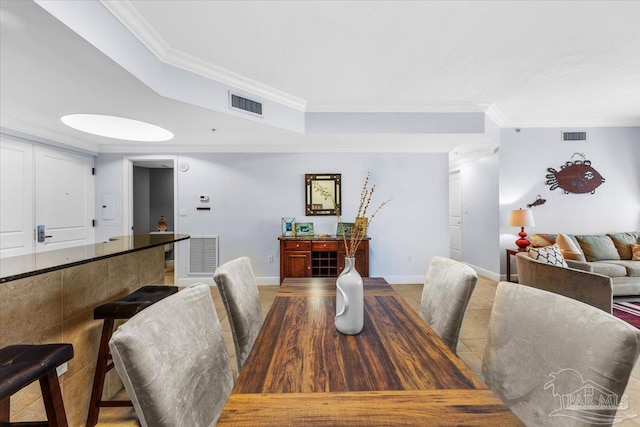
<point x="470" y="347"/>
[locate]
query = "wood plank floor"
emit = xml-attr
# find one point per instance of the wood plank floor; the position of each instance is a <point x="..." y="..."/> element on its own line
<point x="473" y="337"/>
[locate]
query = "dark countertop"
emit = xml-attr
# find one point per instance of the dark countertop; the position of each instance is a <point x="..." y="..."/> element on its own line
<point x="19" y="267"/>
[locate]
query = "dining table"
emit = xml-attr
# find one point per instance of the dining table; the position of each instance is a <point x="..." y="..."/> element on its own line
<point x="397" y="371"/>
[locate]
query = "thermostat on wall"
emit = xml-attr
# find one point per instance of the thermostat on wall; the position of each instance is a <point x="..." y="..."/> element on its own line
<point x="204" y="198"/>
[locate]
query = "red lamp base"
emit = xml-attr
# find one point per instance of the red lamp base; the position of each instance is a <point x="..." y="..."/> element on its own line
<point x="522" y="243"/>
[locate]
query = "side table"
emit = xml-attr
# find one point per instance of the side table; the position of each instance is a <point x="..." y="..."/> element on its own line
<point x="509" y="253"/>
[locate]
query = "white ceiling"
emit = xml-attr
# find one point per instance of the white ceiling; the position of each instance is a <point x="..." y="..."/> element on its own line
<point x="529" y="63"/>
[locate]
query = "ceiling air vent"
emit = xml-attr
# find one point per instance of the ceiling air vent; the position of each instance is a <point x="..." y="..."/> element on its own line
<point x="574" y="137"/>
<point x="244" y="104"/>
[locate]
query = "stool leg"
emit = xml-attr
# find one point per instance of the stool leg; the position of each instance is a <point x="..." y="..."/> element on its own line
<point x="5" y="409"/>
<point x="101" y="371"/>
<point x="52" y="398"/>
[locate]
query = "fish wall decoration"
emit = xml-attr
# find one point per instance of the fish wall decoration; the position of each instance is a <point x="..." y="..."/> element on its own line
<point x="575" y="176"/>
<point x="539" y="201"/>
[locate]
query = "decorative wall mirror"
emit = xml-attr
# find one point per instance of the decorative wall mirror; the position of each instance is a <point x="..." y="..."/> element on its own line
<point x="321" y="192"/>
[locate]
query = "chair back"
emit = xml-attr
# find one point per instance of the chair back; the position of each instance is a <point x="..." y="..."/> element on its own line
<point x="173" y="362"/>
<point x="445" y="297"/>
<point x="557" y="361"/>
<point x="241" y="298"/>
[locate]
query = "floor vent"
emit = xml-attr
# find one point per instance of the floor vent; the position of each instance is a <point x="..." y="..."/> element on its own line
<point x="244" y="104"/>
<point x="574" y="137"/>
<point x="203" y="255"/>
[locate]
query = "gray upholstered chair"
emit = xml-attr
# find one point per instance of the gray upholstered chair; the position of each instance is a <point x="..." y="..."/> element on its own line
<point x="445" y="297"/>
<point x="173" y="361"/>
<point x="546" y="353"/>
<point x="591" y="288"/>
<point x="239" y="291"/>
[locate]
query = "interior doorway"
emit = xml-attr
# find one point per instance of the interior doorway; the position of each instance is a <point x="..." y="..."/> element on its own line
<point x="151" y="187"/>
<point x="455" y="216"/>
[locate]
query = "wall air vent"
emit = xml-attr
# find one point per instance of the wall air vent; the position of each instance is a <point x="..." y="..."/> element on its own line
<point x="574" y="137"/>
<point x="243" y="104"/>
<point x="203" y="255"/>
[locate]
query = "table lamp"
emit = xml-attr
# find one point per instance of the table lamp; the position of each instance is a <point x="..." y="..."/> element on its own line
<point x="521" y="218"/>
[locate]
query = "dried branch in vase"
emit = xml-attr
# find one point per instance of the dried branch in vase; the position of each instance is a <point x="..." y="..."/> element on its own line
<point x="361" y="222"/>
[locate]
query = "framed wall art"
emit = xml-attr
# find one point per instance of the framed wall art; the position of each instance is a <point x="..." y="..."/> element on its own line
<point x="304" y="229"/>
<point x="288" y="226"/>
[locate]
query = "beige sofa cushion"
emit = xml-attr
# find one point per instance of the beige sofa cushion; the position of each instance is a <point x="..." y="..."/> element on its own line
<point x="632" y="267"/>
<point x="597" y="247"/>
<point x="623" y="242"/>
<point x="570" y="248"/>
<point x="608" y="268"/>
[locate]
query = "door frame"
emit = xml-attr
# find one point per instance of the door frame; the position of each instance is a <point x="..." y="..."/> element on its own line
<point x="127" y="199"/>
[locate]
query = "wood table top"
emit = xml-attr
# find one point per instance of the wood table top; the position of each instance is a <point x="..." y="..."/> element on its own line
<point x="397" y="371"/>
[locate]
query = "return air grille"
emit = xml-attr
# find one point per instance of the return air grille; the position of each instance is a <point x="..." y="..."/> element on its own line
<point x="244" y="104"/>
<point x="574" y="136"/>
<point x="203" y="255"/>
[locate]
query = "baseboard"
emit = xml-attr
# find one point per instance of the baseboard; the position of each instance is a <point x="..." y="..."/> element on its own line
<point x="186" y="281"/>
<point x="486" y="273"/>
<point x="404" y="280"/>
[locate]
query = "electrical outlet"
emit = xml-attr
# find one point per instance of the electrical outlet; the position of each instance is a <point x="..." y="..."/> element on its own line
<point x="61" y="369"/>
<point x="270" y="259"/>
<point x="410" y="258"/>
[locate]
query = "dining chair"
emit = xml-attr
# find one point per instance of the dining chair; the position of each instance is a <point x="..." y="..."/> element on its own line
<point x="445" y="296"/>
<point x="173" y="361"/>
<point x="241" y="298"/>
<point x="555" y="360"/>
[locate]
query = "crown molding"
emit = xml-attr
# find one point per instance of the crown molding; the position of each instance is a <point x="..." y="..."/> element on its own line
<point x="125" y="12"/>
<point x="612" y="123"/>
<point x="433" y="107"/>
<point x="41" y="135"/>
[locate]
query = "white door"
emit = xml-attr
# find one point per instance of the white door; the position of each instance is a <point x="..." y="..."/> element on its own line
<point x="64" y="199"/>
<point x="16" y="198"/>
<point x="455" y="217"/>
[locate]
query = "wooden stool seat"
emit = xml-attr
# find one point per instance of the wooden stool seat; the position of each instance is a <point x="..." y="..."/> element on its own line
<point x="22" y="364"/>
<point x="123" y="308"/>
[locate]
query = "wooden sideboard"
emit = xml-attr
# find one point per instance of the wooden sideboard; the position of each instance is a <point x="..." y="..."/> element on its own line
<point x="318" y="257"/>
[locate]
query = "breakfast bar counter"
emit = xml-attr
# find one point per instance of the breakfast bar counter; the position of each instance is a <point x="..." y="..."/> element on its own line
<point x="22" y="266"/>
<point x="49" y="297"/>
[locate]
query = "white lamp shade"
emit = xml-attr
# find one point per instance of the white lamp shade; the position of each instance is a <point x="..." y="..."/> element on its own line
<point x="521" y="218"/>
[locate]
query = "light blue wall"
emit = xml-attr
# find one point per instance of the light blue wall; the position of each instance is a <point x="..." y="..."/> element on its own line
<point x="250" y="193"/>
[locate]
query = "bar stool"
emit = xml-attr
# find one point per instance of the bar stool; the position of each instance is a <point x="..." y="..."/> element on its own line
<point x="123" y="308"/>
<point x="22" y="364"/>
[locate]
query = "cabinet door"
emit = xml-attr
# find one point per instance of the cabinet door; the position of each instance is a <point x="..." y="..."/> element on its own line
<point x="362" y="263"/>
<point x="297" y="264"/>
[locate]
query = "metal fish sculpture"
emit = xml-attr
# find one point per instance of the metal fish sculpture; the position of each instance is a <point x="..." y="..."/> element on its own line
<point x="539" y="201"/>
<point x="575" y="177"/>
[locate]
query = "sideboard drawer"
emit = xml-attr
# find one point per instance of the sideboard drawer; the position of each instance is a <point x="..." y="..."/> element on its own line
<point x="295" y="245"/>
<point x="324" y="246"/>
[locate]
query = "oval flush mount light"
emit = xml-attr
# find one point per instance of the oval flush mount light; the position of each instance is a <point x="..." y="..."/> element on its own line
<point x="117" y="127"/>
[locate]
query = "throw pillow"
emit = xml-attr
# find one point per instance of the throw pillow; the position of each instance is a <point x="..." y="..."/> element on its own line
<point x="635" y="250"/>
<point x="569" y="249"/>
<point x="549" y="255"/>
<point x="622" y="242"/>
<point x="598" y="247"/>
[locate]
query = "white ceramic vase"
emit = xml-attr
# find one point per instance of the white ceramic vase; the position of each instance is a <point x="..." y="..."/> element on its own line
<point x="349" y="300"/>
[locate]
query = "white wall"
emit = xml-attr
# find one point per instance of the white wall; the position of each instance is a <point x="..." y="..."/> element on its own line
<point x="250" y="193"/>
<point x="524" y="159"/>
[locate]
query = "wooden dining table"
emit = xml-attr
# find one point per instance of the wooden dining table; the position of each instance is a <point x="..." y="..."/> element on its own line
<point x="397" y="371"/>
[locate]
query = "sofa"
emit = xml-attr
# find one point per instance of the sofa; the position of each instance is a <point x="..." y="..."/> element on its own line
<point x="590" y="268"/>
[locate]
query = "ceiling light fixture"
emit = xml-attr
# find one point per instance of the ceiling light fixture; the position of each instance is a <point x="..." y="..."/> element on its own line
<point x="117" y="127"/>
